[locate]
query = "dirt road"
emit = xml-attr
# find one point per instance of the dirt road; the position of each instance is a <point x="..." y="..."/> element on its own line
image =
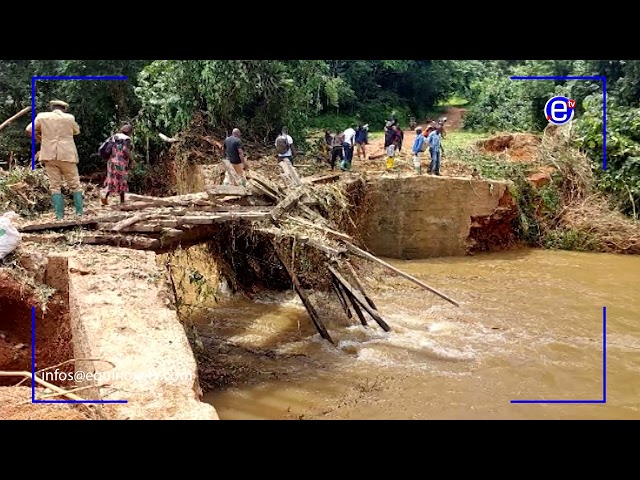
<point x="403" y="159"/>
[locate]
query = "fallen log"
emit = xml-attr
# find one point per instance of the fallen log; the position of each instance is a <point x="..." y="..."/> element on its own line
<point x="359" y="298"/>
<point x="359" y="284"/>
<point x="315" y="318"/>
<point x="420" y="283"/>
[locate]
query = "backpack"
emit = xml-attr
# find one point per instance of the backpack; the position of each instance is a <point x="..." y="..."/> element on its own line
<point x="425" y="144"/>
<point x="282" y="145"/>
<point x="106" y="149"/>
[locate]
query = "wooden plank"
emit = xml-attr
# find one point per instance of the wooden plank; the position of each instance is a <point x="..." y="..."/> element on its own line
<point x="291" y="172"/>
<point x="322" y="179"/>
<point x="356" y="307"/>
<point x="232" y="190"/>
<point x="232" y="175"/>
<point x="288" y="203"/>
<point x="266" y="183"/>
<point x="313" y="215"/>
<point x="315" y="318"/>
<point x="359" y="298"/>
<point x="130" y="221"/>
<point x="420" y="283"/>
<point x="359" y="284"/>
<point x="341" y="297"/>
<point x="133" y="242"/>
<point x="59" y="224"/>
<point x="288" y="181"/>
<point x="328" y="231"/>
<point x="265" y="191"/>
<point x="145" y="228"/>
<point x="222" y="217"/>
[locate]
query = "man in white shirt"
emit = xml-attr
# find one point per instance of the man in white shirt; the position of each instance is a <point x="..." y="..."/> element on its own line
<point x="284" y="146"/>
<point x="348" y="145"/>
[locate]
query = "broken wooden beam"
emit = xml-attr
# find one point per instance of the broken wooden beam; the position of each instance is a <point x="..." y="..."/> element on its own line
<point x="341" y="297"/>
<point x="318" y="245"/>
<point x="328" y="231"/>
<point x="356" y="307"/>
<point x="133" y="242"/>
<point x="231" y="174"/>
<point x="322" y="179"/>
<point x="290" y="173"/>
<point x="367" y="255"/>
<point x="66" y="224"/>
<point x="130" y="221"/>
<point x="287" y="204"/>
<point x="313" y="314"/>
<point x="273" y="187"/>
<point x="359" y="298"/>
<point x="15" y="117"/>
<point x="261" y="190"/>
<point x="231" y="190"/>
<point x="359" y="284"/>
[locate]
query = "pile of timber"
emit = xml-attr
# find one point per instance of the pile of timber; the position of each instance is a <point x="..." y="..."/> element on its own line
<point x="160" y="223"/>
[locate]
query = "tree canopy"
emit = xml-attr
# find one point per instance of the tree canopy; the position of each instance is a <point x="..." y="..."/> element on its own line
<point x="262" y="96"/>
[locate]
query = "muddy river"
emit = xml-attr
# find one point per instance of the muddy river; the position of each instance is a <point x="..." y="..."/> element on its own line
<point x="530" y="327"/>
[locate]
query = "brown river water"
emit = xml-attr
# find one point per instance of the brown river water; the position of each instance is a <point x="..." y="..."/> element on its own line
<point x="529" y="327"/>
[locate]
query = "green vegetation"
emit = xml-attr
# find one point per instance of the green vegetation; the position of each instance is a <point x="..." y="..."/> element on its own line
<point x="259" y="96"/>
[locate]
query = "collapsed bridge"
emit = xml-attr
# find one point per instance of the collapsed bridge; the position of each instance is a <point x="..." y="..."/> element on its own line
<point x="280" y="216"/>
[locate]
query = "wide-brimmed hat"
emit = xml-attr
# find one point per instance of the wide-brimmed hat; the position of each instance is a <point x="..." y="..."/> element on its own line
<point x="58" y="103"/>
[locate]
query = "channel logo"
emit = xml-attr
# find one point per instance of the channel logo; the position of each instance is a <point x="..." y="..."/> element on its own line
<point x="559" y="110"/>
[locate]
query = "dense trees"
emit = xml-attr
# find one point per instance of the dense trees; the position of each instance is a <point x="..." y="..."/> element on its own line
<point x="261" y="96"/>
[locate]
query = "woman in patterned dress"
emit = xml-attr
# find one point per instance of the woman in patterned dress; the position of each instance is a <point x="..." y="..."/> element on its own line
<point x="118" y="165"/>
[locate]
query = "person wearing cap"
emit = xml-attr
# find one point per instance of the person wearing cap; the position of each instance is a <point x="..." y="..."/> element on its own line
<point x="58" y="153"/>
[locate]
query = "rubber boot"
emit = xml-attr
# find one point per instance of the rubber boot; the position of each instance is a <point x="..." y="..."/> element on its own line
<point x="78" y="202"/>
<point x="390" y="163"/>
<point x="58" y="205"/>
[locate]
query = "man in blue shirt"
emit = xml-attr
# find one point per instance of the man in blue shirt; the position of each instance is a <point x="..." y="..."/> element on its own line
<point x="435" y="147"/>
<point x="361" y="141"/>
<point x="417" y="150"/>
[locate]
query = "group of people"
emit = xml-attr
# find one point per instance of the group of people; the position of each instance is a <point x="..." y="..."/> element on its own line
<point x="235" y="155"/>
<point x="430" y="138"/>
<point x="55" y="131"/>
<point x="342" y="145"/>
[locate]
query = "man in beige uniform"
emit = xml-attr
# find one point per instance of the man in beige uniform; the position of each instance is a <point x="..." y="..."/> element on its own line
<point x="58" y="153"/>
